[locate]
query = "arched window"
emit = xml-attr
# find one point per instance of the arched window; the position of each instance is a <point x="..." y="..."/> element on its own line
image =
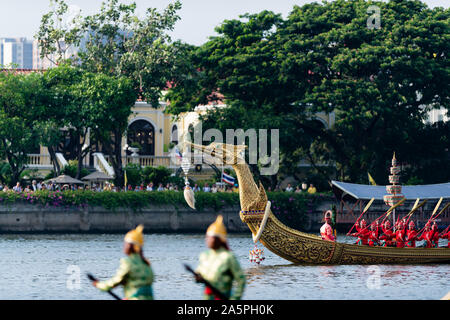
<point x="141" y="134"/>
<point x="174" y="136"/>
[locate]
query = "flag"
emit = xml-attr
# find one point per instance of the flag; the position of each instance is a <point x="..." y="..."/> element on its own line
<point x="178" y="154"/>
<point x="372" y="182"/>
<point x="227" y="179"/>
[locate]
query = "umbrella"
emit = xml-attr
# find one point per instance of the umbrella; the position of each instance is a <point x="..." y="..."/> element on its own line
<point x="64" y="179"/>
<point x="97" y="176"/>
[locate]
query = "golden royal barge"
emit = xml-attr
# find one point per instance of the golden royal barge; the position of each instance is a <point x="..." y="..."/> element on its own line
<point x="299" y="247"/>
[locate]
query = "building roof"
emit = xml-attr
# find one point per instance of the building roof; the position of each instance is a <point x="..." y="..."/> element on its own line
<point x="362" y="191"/>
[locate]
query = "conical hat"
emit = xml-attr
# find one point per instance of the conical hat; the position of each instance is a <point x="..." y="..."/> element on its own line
<point x="217" y="229"/>
<point x="136" y="236"/>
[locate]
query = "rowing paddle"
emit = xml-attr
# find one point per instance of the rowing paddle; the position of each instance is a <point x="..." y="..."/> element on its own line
<point x="216" y="291"/>
<point x="364" y="211"/>
<point x="93" y="279"/>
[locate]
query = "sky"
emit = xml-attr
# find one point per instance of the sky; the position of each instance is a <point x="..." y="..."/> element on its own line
<point x="21" y="18"/>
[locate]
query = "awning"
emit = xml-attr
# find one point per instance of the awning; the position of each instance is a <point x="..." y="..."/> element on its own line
<point x="365" y="192"/>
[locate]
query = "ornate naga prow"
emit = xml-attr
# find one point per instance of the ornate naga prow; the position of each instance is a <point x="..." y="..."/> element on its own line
<point x="300" y="247"/>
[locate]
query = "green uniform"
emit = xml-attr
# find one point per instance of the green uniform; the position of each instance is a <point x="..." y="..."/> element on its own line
<point x="220" y="267"/>
<point x="135" y="276"/>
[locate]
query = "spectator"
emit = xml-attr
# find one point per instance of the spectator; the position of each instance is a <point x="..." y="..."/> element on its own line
<point x="175" y="188"/>
<point x="35" y="186"/>
<point x="206" y="188"/>
<point x="17" y="187"/>
<point x="160" y="187"/>
<point x="297" y="189"/>
<point x="235" y="188"/>
<point x="214" y="188"/>
<point x="196" y="188"/>
<point x="150" y="186"/>
<point x="289" y="188"/>
<point x="312" y="189"/>
<point x="1" y="187"/>
<point x="304" y="186"/>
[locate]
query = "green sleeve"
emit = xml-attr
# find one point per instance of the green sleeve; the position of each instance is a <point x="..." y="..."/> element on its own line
<point x="118" y="278"/>
<point x="238" y="277"/>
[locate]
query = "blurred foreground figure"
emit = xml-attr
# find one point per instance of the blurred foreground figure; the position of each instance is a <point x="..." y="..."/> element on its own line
<point x="135" y="273"/>
<point x="219" y="266"/>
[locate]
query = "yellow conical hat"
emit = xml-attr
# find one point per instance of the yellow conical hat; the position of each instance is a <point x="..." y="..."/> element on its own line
<point x="217" y="229"/>
<point x="136" y="236"/>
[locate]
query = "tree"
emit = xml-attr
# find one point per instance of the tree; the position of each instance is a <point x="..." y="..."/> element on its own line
<point x="20" y="95"/>
<point x="379" y="83"/>
<point x="117" y="43"/>
<point x="65" y="110"/>
<point x="59" y="32"/>
<point x="106" y="102"/>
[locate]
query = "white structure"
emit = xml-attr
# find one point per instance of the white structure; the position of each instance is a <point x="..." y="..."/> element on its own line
<point x="16" y="53"/>
<point x="437" y="115"/>
<point x="47" y="63"/>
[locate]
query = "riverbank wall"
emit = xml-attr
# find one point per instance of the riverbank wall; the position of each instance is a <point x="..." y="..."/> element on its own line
<point x="28" y="218"/>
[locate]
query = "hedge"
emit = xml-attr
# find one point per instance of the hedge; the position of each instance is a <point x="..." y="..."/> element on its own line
<point x="290" y="208"/>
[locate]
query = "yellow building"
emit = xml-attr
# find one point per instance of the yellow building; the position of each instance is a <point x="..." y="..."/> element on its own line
<point x="149" y="141"/>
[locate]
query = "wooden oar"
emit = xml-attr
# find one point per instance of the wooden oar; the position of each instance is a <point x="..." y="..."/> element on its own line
<point x="364" y="211"/>
<point x="414" y="209"/>
<point x="386" y="213"/>
<point x="216" y="291"/>
<point x="443" y="209"/>
<point x="432" y="214"/>
<point x="93" y="279"/>
<point x="444" y="231"/>
<point x="392" y="209"/>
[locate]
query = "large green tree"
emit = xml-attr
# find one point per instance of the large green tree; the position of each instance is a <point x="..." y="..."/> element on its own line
<point x="106" y="102"/>
<point x="115" y="42"/>
<point x="379" y="83"/>
<point x="20" y="96"/>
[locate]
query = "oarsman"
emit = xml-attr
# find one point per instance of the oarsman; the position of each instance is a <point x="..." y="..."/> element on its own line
<point x="388" y="236"/>
<point x="219" y="265"/>
<point x="434" y="237"/>
<point x="373" y="235"/>
<point x="425" y="236"/>
<point x="411" y="235"/>
<point x="326" y="231"/>
<point x="446" y="235"/>
<point x="430" y="235"/>
<point x="362" y="233"/>
<point x="135" y="273"/>
<point x="400" y="234"/>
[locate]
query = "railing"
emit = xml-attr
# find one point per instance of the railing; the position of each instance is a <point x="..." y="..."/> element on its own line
<point x="61" y="160"/>
<point x="38" y="161"/>
<point x="101" y="164"/>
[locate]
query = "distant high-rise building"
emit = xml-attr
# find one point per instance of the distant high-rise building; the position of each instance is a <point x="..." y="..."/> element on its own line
<point x="16" y="53"/>
<point x="50" y="61"/>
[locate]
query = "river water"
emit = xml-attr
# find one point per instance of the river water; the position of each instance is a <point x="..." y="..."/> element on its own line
<point x="48" y="267"/>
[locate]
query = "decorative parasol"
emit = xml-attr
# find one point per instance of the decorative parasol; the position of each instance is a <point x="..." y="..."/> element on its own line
<point x="395" y="189"/>
<point x="64" y="179"/>
<point x="97" y="176"/>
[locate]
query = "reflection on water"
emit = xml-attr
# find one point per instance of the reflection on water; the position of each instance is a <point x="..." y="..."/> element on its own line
<point x="41" y="267"/>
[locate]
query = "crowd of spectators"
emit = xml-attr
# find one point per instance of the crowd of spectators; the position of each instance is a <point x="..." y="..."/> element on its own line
<point x="35" y="186"/>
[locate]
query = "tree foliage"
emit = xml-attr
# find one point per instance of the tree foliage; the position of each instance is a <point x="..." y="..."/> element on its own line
<point x="379" y="84"/>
